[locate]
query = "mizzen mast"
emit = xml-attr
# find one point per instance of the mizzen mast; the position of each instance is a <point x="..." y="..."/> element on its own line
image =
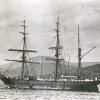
<point x="79" y="54"/>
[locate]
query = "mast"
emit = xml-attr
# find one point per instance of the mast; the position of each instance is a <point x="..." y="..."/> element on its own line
<point x="41" y="68"/>
<point x="24" y="47"/>
<point x="57" y="50"/>
<point x="79" y="55"/>
<point x="68" y="64"/>
<point x="23" y="51"/>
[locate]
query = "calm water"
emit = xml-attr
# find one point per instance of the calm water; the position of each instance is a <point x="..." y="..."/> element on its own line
<point x="15" y="94"/>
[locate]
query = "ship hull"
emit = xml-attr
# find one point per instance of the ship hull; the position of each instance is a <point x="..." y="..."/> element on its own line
<point x="89" y="86"/>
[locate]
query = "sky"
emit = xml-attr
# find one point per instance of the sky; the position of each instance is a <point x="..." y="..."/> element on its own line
<point x="41" y="17"/>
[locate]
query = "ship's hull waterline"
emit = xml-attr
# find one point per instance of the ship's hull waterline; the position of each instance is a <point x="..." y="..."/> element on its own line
<point x="89" y="86"/>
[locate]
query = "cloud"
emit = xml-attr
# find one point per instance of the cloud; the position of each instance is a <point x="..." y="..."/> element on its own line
<point x="41" y="16"/>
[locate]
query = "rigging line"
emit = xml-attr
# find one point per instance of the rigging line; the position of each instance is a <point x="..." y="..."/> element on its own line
<point x="47" y="42"/>
<point x="68" y="38"/>
<point x="68" y="53"/>
<point x="27" y="47"/>
<point x="27" y="71"/>
<point x="19" y="75"/>
<point x="51" y="41"/>
<point x="32" y="70"/>
<point x="61" y="67"/>
<point x="7" y="70"/>
<point x="47" y="45"/>
<point x="27" y="42"/>
<point x="28" y="68"/>
<point x="15" y="54"/>
<point x="63" y="53"/>
<point x="45" y="35"/>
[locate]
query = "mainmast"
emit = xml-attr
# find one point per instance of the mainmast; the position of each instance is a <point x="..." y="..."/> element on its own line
<point x="57" y="51"/>
<point x="24" y="51"/>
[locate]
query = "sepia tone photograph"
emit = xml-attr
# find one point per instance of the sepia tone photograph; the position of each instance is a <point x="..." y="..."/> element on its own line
<point x="49" y="50"/>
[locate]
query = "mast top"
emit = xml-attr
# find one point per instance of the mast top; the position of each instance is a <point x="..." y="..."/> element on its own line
<point x="24" y="50"/>
<point x="24" y="38"/>
<point x="78" y="37"/>
<point x="24" y="23"/>
<point x="24" y="26"/>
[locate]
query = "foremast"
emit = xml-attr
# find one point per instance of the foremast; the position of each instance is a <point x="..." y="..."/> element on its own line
<point x="57" y="49"/>
<point x="24" y="50"/>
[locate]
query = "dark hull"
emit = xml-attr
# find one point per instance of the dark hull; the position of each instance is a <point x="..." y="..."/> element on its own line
<point x="90" y="86"/>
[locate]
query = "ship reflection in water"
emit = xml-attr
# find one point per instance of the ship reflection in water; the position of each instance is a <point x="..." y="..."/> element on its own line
<point x="15" y="94"/>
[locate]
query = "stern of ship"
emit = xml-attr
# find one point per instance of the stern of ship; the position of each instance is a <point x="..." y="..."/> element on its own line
<point x="87" y="86"/>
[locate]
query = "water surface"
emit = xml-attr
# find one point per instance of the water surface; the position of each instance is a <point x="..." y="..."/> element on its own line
<point x="16" y="94"/>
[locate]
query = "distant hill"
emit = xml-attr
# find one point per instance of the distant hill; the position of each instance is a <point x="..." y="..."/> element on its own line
<point x="14" y="69"/>
<point x="85" y="64"/>
<point x="91" y="71"/>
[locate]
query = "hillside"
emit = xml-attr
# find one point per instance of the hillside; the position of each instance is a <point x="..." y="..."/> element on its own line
<point x="91" y="71"/>
<point x="14" y="69"/>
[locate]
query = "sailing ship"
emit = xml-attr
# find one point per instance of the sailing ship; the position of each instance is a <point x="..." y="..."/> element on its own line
<point x="59" y="82"/>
